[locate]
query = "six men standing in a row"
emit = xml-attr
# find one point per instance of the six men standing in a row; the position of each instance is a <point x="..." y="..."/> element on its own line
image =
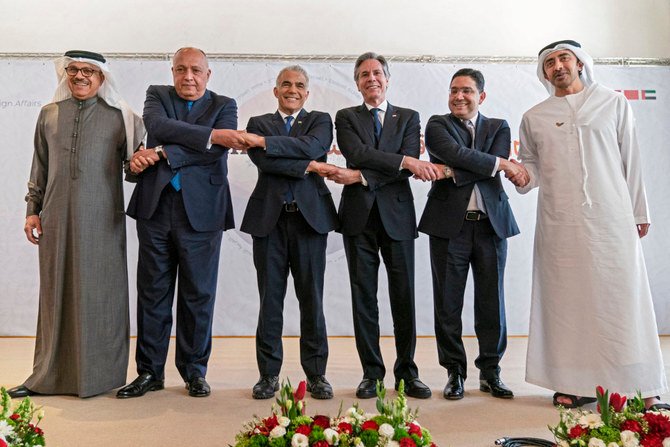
<point x="182" y="204"/>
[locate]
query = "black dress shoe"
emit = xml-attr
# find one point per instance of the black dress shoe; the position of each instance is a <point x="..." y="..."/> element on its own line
<point x="139" y="387"/>
<point x="266" y="387"/>
<point x="19" y="392"/>
<point x="367" y="389"/>
<point x="454" y="389"/>
<point x="416" y="388"/>
<point x="198" y="387"/>
<point x="496" y="387"/>
<point x="319" y="387"/>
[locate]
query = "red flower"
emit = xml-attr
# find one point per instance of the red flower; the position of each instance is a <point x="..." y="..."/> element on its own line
<point x="271" y="422"/>
<point x="345" y="427"/>
<point x="577" y="431"/>
<point x="414" y="429"/>
<point x="370" y="425"/>
<point x="322" y="421"/>
<point x="2" y="443"/>
<point x="658" y="424"/>
<point x="407" y="442"/>
<point x="652" y="440"/>
<point x="432" y="444"/>
<point x="631" y="425"/>
<point x="300" y="392"/>
<point x="262" y="429"/>
<point x="617" y="402"/>
<point x="320" y="443"/>
<point x="304" y="430"/>
<point x="600" y="391"/>
<point x="15" y="417"/>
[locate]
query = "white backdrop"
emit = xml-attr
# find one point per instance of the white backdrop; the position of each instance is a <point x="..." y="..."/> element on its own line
<point x="511" y="90"/>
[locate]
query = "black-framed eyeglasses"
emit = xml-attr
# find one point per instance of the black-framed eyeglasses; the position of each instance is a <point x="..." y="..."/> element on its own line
<point x="85" y="71"/>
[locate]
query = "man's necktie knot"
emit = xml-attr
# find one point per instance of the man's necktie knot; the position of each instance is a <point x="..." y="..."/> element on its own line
<point x="289" y="120"/>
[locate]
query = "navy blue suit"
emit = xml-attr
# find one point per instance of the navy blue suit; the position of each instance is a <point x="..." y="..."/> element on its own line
<point x="180" y="232"/>
<point x="455" y="243"/>
<point x="285" y="239"/>
<point x="380" y="218"/>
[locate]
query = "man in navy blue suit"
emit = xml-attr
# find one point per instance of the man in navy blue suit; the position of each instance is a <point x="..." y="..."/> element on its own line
<point x="182" y="205"/>
<point x="468" y="218"/>
<point x="381" y="144"/>
<point x="289" y="214"/>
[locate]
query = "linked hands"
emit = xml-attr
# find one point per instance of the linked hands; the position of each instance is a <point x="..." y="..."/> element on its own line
<point x="515" y="172"/>
<point x="342" y="176"/>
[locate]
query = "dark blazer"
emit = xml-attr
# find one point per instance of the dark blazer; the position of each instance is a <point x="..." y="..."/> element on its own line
<point x="184" y="136"/>
<point x="387" y="184"/>
<point x="448" y="141"/>
<point x="282" y="166"/>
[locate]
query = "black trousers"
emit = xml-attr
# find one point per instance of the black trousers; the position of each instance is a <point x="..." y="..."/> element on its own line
<point x="477" y="245"/>
<point x="362" y="253"/>
<point x="291" y="246"/>
<point x="170" y="249"/>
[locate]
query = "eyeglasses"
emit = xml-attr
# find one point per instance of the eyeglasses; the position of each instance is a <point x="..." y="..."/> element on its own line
<point x="85" y="71"/>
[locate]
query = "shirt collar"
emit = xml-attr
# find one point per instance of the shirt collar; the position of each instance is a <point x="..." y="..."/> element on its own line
<point x="382" y="107"/>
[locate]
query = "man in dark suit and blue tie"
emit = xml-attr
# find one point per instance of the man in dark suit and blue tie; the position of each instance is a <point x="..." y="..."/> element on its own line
<point x="381" y="144"/>
<point x="468" y="219"/>
<point x="182" y="205"/>
<point x="289" y="214"/>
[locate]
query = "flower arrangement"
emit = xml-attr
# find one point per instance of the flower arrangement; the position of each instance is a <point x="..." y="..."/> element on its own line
<point x="394" y="426"/>
<point x="16" y="427"/>
<point x="619" y="422"/>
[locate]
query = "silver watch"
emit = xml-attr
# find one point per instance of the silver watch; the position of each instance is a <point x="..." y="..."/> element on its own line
<point x="159" y="151"/>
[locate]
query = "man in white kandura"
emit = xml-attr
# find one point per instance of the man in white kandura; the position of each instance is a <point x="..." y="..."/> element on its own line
<point x="592" y="319"/>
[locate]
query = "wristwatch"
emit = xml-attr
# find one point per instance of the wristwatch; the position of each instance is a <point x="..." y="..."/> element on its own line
<point x="159" y="151"/>
<point x="448" y="172"/>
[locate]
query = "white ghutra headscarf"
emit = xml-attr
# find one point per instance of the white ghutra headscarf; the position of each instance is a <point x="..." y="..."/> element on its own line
<point x="107" y="91"/>
<point x="586" y="75"/>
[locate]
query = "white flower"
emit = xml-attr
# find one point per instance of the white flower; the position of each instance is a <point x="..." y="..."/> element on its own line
<point x="563" y="443"/>
<point x="591" y="421"/>
<point x="612" y="444"/>
<point x="354" y="414"/>
<point x="393" y="444"/>
<point x="629" y="439"/>
<point x="666" y="442"/>
<point x="386" y="430"/>
<point x="595" y="442"/>
<point x="331" y="436"/>
<point x="283" y="421"/>
<point x="299" y="440"/>
<point x="277" y="432"/>
<point x="358" y="443"/>
<point x="5" y="430"/>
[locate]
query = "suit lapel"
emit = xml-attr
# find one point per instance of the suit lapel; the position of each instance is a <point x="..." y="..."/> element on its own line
<point x="199" y="108"/>
<point x="279" y="123"/>
<point x="365" y="117"/>
<point x="296" y="129"/>
<point x="459" y="130"/>
<point x="390" y="125"/>
<point x="482" y="132"/>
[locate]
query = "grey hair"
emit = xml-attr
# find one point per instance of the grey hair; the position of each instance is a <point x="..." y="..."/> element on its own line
<point x="296" y="68"/>
<point x="370" y="55"/>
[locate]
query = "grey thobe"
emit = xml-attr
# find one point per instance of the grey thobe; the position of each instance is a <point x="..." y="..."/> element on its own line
<point x="76" y="188"/>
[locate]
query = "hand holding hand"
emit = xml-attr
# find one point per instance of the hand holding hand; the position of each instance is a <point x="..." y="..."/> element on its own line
<point x="345" y="176"/>
<point x="234" y="139"/>
<point x="422" y="170"/>
<point x="321" y="168"/>
<point x="142" y="159"/>
<point x="515" y="172"/>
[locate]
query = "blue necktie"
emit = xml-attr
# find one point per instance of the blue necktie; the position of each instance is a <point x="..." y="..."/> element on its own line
<point x="175" y="181"/>
<point x="289" y="193"/>
<point x="287" y="126"/>
<point x="378" y="123"/>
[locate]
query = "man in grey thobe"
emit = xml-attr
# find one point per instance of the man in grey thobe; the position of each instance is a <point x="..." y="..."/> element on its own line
<point x="75" y="215"/>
